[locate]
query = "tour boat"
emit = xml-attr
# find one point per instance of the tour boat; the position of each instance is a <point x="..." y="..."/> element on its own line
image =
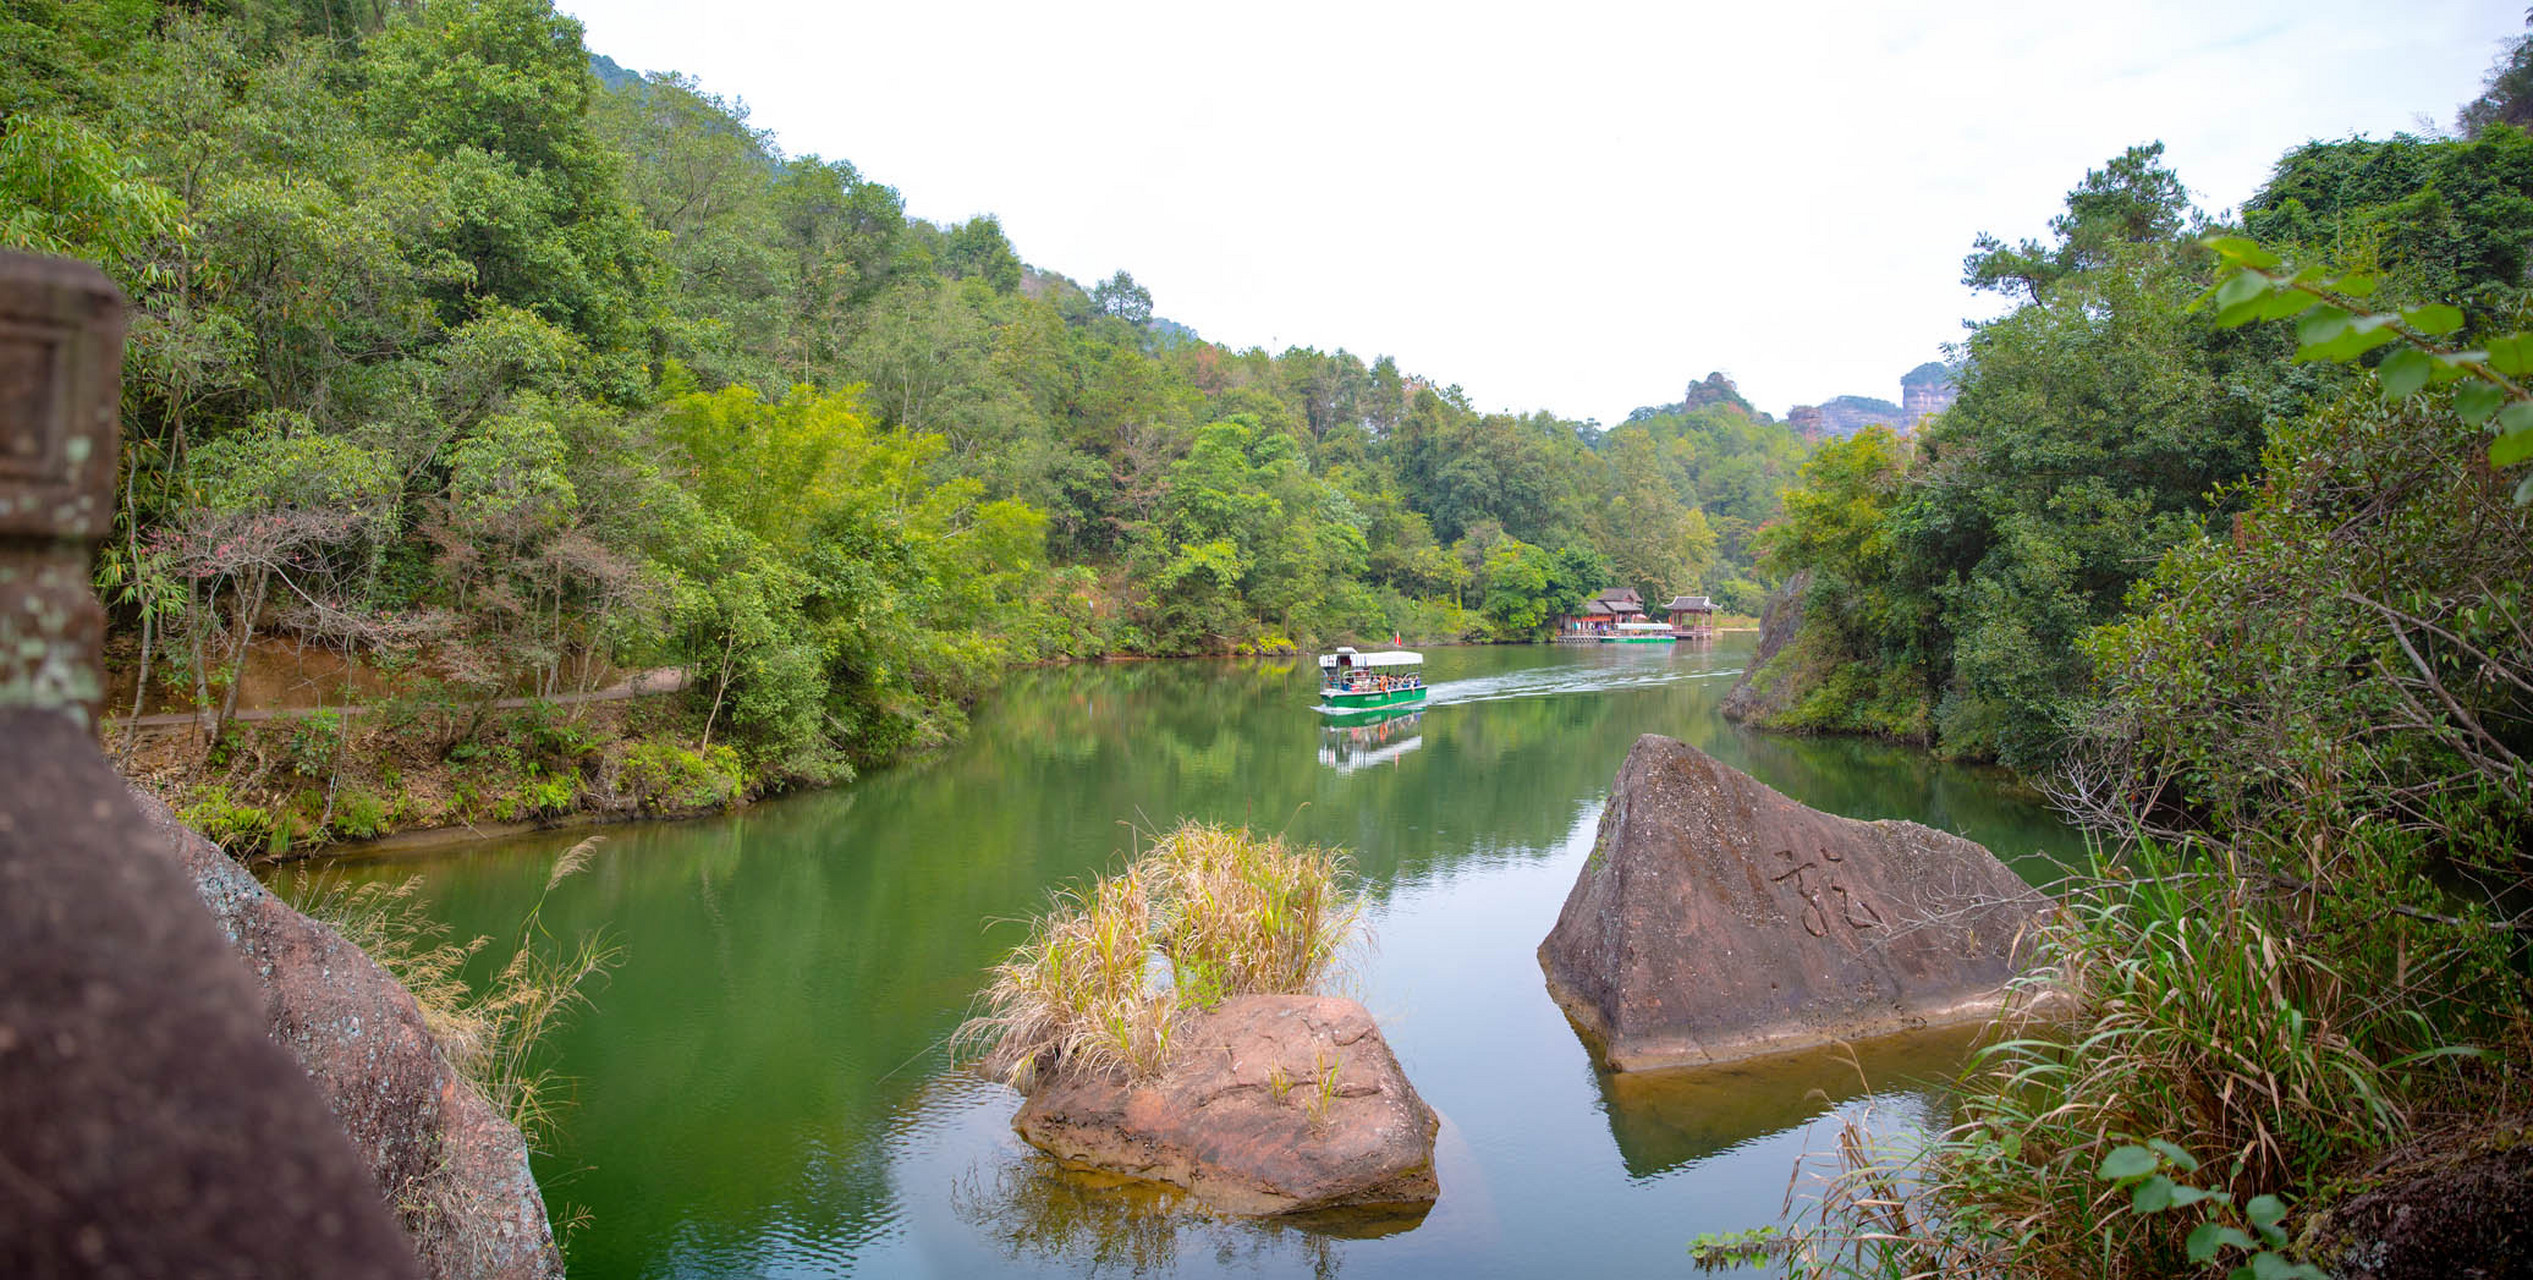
<point x="1351" y="682"/>
<point x="1639" y="633"/>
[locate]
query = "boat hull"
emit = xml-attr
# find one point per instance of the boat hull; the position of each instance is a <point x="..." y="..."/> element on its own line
<point x="1337" y="704"/>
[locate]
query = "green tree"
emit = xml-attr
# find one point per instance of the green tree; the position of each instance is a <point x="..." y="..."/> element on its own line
<point x="2133" y="200"/>
<point x="1119" y="296"/>
<point x="1528" y="588"/>
<point x="2094" y="422"/>
<point x="498" y="94"/>
<point x="977" y="249"/>
<point x="2506" y="98"/>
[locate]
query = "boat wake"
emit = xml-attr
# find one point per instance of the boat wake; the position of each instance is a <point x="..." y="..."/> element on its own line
<point x="1559" y="682"/>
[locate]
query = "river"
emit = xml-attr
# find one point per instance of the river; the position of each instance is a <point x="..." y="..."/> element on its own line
<point x="762" y="1089"/>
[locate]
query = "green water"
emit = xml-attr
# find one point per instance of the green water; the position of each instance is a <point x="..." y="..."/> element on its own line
<point x="761" y="1088"/>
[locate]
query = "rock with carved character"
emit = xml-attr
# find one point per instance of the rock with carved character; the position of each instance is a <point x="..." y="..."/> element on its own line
<point x="1717" y="920"/>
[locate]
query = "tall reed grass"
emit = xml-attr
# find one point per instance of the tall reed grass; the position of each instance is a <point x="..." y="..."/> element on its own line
<point x="2193" y="1004"/>
<point x="1201" y="914"/>
<point x="490" y="1033"/>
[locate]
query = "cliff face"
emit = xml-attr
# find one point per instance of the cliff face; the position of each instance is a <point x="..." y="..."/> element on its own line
<point x="1926" y="389"/>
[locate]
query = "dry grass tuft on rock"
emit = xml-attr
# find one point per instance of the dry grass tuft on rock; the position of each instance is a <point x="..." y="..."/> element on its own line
<point x="1202" y="914"/>
<point x="492" y="1035"/>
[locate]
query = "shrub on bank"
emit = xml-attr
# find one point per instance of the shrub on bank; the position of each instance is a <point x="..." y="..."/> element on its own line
<point x="242" y="829"/>
<point x="291" y="785"/>
<point x="539" y="796"/>
<point x="662" y="777"/>
<point x="359" y="815"/>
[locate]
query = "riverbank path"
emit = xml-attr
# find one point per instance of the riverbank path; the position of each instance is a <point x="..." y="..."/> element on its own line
<point x="640" y="684"/>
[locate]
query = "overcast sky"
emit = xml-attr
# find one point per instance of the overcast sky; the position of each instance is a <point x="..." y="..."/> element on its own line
<point x="1570" y="206"/>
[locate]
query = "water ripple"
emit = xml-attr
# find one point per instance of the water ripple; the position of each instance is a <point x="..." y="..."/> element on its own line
<point x="1559" y="682"/>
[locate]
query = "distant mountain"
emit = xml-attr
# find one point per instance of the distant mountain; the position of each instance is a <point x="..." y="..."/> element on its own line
<point x="1714" y="391"/>
<point x="612" y="75"/>
<point x="1711" y="392"/>
<point x="1925" y="390"/>
<point x="1859" y="411"/>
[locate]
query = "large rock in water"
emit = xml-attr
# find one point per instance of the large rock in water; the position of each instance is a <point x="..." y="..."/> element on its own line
<point x="1717" y="919"/>
<point x="455" y="1168"/>
<point x="1269" y="1104"/>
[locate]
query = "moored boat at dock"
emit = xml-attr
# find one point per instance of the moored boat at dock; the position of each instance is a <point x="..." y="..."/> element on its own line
<point x="1639" y="633"/>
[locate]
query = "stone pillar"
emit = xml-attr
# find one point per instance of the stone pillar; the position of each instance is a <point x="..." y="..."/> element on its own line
<point x="61" y="371"/>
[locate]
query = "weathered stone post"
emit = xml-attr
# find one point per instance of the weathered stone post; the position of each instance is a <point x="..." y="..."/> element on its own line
<point x="61" y="368"/>
<point x="149" y="1125"/>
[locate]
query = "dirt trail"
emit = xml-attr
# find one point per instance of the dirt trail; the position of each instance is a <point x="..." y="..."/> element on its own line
<point x="656" y="680"/>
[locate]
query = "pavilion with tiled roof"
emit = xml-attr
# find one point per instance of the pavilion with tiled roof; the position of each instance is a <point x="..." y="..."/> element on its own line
<point x="1692" y="617"/>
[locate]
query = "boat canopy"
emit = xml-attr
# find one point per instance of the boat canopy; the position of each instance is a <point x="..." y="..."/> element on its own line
<point x="1387" y="658"/>
<point x="1644" y="626"/>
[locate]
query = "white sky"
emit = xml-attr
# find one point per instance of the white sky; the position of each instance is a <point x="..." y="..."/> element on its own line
<point x="1563" y="205"/>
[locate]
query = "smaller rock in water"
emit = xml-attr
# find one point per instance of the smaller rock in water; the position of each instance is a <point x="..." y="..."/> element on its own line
<point x="1269" y="1104"/>
<point x="1718" y="920"/>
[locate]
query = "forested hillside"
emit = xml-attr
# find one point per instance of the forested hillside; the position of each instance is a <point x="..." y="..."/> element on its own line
<point x="2106" y="418"/>
<point x="500" y="376"/>
<point x="495" y="373"/>
<point x="2225" y="545"/>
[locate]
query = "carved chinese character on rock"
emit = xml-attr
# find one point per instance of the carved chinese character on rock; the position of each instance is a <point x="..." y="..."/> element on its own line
<point x="1811" y="882"/>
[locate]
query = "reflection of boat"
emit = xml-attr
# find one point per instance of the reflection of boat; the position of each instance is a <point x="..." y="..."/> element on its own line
<point x="1354" y="682"/>
<point x="1378" y="737"/>
<point x="1638" y="633"/>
